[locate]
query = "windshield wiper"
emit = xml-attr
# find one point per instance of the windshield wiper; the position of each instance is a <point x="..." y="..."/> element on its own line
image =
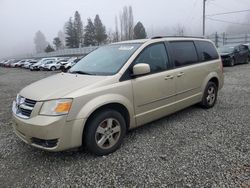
<point x="80" y="72"/>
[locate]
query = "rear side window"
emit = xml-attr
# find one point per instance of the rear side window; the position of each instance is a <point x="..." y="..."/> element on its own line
<point x="184" y="53"/>
<point x="207" y="51"/>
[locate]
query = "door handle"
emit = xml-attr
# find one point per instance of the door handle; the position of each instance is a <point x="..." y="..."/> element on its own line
<point x="180" y="74"/>
<point x="168" y="77"/>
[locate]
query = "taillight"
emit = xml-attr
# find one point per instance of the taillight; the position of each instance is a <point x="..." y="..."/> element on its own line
<point x="221" y="66"/>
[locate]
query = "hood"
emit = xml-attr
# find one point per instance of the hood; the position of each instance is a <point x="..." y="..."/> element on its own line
<point x="59" y="85"/>
<point x="225" y="54"/>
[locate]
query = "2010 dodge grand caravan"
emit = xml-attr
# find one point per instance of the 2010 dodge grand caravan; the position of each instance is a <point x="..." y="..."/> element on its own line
<point x="115" y="88"/>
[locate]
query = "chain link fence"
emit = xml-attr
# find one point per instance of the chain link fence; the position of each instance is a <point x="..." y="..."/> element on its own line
<point x="224" y="39"/>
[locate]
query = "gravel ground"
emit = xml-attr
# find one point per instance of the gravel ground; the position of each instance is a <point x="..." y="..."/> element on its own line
<point x="192" y="148"/>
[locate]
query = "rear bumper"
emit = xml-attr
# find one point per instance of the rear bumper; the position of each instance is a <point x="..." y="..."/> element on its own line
<point x="51" y="133"/>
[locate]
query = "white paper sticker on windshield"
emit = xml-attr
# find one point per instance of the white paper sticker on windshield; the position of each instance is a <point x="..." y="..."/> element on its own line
<point x="126" y="47"/>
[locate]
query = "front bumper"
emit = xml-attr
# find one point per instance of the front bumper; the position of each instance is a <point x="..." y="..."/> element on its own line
<point x="51" y="133"/>
<point x="226" y="61"/>
<point x="34" y="68"/>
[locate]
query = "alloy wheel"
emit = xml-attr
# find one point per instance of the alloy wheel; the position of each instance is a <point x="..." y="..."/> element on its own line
<point x="108" y="133"/>
<point x="211" y="95"/>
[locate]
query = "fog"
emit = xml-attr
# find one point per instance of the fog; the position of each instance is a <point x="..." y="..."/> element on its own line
<point x="21" y="19"/>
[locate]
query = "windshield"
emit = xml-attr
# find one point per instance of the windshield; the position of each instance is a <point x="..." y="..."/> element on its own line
<point x="226" y="49"/>
<point x="106" y="60"/>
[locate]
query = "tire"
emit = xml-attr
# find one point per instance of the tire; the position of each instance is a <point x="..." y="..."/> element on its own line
<point x="210" y="95"/>
<point x="248" y="59"/>
<point x="53" y="68"/>
<point x="232" y="62"/>
<point x="107" y="127"/>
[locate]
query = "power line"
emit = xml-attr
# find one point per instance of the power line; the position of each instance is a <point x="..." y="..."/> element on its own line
<point x="233" y="12"/>
<point x="218" y="20"/>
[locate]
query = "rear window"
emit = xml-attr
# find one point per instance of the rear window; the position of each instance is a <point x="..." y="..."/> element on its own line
<point x="207" y="51"/>
<point x="184" y="53"/>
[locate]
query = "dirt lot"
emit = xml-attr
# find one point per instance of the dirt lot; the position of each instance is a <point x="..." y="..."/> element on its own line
<point x="192" y="148"/>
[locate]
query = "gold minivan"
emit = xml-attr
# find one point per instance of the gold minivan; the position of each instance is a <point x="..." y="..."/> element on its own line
<point x="116" y="88"/>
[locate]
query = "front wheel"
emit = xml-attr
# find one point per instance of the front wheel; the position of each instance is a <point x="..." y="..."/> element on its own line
<point x="210" y="95"/>
<point x="104" y="132"/>
<point x="232" y="62"/>
<point x="53" y="68"/>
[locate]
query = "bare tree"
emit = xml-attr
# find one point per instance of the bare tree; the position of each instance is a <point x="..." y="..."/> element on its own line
<point x="116" y="34"/>
<point x="179" y="30"/>
<point x="40" y="42"/>
<point x="61" y="36"/>
<point x="131" y="23"/>
<point x="126" y="23"/>
<point x="121" y="27"/>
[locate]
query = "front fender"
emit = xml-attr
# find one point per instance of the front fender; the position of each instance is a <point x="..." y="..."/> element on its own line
<point x="100" y="101"/>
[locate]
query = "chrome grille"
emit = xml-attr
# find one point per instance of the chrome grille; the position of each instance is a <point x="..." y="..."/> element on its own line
<point x="29" y="102"/>
<point x="23" y="107"/>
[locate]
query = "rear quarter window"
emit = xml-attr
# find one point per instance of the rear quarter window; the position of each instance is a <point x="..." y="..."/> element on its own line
<point x="207" y="51"/>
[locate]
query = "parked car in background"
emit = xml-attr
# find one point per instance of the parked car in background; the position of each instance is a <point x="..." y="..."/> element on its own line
<point x="29" y="63"/>
<point x="38" y="65"/>
<point x="72" y="63"/>
<point x="67" y="62"/>
<point x="248" y="45"/>
<point x="63" y="62"/>
<point x="13" y="63"/>
<point x="51" y="65"/>
<point x="2" y="62"/>
<point x="19" y="63"/>
<point x="9" y="62"/>
<point x="118" y="87"/>
<point x="234" y="54"/>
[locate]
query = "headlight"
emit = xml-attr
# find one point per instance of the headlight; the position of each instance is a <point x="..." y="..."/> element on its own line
<point x="56" y="107"/>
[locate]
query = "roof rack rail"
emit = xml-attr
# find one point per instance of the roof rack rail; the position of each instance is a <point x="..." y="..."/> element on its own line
<point x="159" y="37"/>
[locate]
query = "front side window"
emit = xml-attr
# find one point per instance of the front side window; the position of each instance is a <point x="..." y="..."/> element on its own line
<point x="184" y="53"/>
<point x="155" y="56"/>
<point x="107" y="60"/>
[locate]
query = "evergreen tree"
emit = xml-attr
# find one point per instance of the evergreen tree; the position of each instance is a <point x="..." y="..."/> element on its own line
<point x="100" y="31"/>
<point x="139" y="31"/>
<point x="49" y="49"/>
<point x="78" y="29"/>
<point x="74" y="31"/>
<point x="40" y="42"/>
<point x="89" y="36"/>
<point x="70" y="34"/>
<point x="57" y="42"/>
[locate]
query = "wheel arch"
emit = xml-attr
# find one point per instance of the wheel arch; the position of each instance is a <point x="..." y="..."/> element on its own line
<point x="110" y="101"/>
<point x="114" y="106"/>
<point x="214" y="78"/>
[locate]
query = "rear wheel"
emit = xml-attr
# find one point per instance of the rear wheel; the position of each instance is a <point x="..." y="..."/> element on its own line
<point x="210" y="95"/>
<point x="104" y="132"/>
<point x="53" y="68"/>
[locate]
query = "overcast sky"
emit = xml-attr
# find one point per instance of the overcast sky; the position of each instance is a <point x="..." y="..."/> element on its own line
<point x="20" y="19"/>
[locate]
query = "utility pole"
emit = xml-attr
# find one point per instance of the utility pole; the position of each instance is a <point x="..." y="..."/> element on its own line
<point x="204" y="18"/>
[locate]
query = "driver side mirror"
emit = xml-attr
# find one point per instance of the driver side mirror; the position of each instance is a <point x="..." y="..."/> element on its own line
<point x="141" y="69"/>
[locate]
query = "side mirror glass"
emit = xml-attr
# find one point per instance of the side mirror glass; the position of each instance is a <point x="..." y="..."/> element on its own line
<point x="141" y="69"/>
